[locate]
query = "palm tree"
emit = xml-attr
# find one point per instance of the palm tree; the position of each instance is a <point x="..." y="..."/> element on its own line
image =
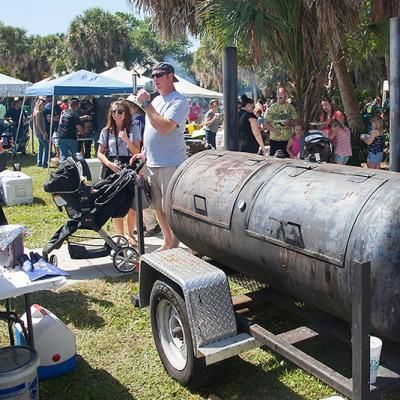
<point x="334" y="17"/>
<point x="207" y="64"/>
<point x="97" y="40"/>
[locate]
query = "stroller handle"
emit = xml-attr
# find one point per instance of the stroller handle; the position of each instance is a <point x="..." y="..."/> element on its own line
<point x="139" y="164"/>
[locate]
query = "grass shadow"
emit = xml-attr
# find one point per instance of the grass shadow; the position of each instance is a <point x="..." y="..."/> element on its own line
<point x="74" y="385"/>
<point x="236" y="378"/>
<point x="38" y="200"/>
<point x="70" y="306"/>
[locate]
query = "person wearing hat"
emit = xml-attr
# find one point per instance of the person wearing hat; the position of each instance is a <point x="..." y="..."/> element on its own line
<point x="164" y="145"/>
<point x="211" y="123"/>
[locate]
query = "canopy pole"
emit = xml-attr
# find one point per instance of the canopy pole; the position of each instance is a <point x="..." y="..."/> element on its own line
<point x="50" y="134"/>
<point x="18" y="126"/>
<point x="33" y="127"/>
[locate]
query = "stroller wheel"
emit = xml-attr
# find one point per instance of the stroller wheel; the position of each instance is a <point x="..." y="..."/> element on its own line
<point x="125" y="259"/>
<point x="53" y="260"/>
<point x="120" y="241"/>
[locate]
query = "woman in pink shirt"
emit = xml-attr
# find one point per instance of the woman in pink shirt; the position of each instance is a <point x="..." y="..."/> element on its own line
<point x="341" y="139"/>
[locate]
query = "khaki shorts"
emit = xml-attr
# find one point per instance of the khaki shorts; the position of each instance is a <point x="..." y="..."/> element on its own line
<point x="159" y="178"/>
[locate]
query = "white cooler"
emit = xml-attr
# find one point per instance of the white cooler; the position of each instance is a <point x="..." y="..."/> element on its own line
<point x="94" y="165"/>
<point x="54" y="342"/>
<point x="16" y="188"/>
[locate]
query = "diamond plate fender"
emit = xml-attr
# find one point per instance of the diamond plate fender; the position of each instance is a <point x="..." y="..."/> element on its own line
<point x="205" y="290"/>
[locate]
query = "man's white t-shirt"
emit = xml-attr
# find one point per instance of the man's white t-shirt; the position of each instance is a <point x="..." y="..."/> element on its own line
<point x="167" y="150"/>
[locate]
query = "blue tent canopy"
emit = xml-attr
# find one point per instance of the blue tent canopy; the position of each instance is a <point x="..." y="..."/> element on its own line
<point x="79" y="83"/>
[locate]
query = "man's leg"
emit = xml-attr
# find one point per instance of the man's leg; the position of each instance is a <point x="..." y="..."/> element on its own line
<point x="170" y="240"/>
<point x="63" y="146"/>
<point x="159" y="179"/>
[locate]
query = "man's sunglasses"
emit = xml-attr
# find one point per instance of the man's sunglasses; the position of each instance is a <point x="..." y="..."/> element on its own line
<point x="159" y="75"/>
<point x="118" y="111"/>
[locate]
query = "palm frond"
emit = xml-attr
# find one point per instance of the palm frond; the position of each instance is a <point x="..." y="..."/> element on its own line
<point x="172" y="18"/>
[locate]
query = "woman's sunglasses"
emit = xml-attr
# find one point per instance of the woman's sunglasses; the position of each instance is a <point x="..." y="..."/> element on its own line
<point x="117" y="112"/>
<point x="159" y="75"/>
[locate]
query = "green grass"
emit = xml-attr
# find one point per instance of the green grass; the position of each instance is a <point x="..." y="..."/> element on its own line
<point x="117" y="358"/>
<point x="118" y="361"/>
<point x="42" y="217"/>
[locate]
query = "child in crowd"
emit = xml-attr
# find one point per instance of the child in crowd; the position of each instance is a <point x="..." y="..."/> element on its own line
<point x="375" y="142"/>
<point x="340" y="136"/>
<point x="294" y="145"/>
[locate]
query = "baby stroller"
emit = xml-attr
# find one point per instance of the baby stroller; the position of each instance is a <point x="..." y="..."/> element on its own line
<point x="317" y="147"/>
<point x="89" y="207"/>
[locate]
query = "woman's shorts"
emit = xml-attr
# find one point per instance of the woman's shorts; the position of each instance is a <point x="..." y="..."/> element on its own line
<point x="375" y="158"/>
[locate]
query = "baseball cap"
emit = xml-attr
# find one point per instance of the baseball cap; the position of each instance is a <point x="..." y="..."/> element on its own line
<point x="165" y="67"/>
<point x="133" y="99"/>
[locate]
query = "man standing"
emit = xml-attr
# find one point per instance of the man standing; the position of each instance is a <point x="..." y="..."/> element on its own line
<point x="67" y="130"/>
<point x="164" y="144"/>
<point x="211" y="123"/>
<point x="280" y="119"/>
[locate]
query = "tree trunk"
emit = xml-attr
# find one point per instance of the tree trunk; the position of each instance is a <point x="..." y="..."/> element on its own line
<point x="351" y="106"/>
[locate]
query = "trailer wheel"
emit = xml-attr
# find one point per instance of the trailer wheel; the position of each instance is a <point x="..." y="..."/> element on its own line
<point x="172" y="337"/>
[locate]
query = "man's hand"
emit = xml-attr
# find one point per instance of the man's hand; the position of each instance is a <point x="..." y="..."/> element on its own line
<point x="142" y="96"/>
<point x="138" y="156"/>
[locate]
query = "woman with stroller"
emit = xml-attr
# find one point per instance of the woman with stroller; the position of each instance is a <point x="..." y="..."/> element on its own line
<point x="114" y="152"/>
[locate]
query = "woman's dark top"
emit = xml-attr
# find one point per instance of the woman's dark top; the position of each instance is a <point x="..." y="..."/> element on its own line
<point x="377" y="145"/>
<point x="247" y="141"/>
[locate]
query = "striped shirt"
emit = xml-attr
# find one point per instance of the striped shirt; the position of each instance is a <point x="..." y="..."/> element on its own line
<point x="377" y="145"/>
<point x="342" y="142"/>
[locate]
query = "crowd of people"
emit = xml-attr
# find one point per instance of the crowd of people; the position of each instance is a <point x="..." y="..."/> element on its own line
<point x="277" y="124"/>
<point x="152" y="129"/>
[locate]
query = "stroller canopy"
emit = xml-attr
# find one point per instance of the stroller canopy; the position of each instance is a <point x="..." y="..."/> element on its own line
<point x="65" y="179"/>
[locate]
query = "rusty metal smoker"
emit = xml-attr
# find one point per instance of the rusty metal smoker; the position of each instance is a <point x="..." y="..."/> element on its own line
<point x="295" y="225"/>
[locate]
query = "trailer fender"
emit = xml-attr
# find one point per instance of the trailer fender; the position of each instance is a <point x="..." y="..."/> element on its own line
<point x="204" y="288"/>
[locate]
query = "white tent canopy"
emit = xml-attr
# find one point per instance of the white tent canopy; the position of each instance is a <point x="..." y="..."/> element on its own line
<point x="185" y="87"/>
<point x="121" y="74"/>
<point x="10" y="87"/>
<point x="191" y="90"/>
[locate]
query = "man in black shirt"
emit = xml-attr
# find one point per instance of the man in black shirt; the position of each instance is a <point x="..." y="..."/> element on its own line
<point x="67" y="130"/>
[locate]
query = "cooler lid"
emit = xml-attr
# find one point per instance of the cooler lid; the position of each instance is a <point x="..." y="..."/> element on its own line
<point x="15" y="357"/>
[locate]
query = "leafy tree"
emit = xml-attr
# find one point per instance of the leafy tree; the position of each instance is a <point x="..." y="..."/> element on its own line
<point x="14" y="48"/>
<point x="207" y="64"/>
<point x="98" y="39"/>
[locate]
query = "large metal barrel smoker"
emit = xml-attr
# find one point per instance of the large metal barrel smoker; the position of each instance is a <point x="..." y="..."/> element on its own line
<point x="298" y="226"/>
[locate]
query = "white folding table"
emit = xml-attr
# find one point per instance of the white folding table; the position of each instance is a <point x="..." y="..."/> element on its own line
<point x="16" y="283"/>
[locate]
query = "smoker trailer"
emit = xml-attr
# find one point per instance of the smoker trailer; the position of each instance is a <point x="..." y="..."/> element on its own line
<point x="300" y="227"/>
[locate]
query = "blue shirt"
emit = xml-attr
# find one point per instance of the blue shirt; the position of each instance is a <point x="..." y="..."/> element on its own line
<point x="167" y="150"/>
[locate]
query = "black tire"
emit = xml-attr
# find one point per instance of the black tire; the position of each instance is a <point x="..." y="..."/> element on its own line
<point x="125" y="259"/>
<point x="172" y="336"/>
<point x="53" y="260"/>
<point x="120" y="241"/>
